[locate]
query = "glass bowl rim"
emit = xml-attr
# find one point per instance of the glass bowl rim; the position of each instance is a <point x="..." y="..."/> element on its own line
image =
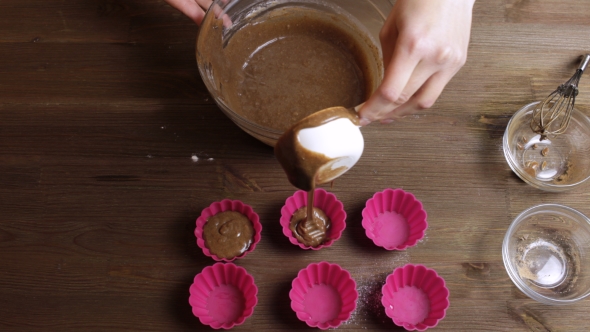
<point x="513" y="274"/>
<point x="514" y="165"/>
<point x="264" y="131"/>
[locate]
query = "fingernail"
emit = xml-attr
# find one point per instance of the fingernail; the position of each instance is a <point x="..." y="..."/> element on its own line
<point x="364" y="122"/>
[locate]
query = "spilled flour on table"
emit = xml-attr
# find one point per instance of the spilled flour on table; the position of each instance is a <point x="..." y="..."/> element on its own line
<point x="423" y="240"/>
<point x="369" y="310"/>
<point x="196" y="158"/>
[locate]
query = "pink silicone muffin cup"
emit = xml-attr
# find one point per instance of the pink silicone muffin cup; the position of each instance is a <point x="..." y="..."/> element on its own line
<point x="227" y="205"/>
<point x="394" y="219"/>
<point x="323" y="295"/>
<point x="223" y="295"/>
<point x="323" y="200"/>
<point x="415" y="297"/>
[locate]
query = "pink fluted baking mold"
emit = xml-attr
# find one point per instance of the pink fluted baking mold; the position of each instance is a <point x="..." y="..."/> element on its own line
<point x="424" y="279"/>
<point x="227" y="205"/>
<point x="402" y="203"/>
<point x="217" y="277"/>
<point x="323" y="200"/>
<point x="334" y="308"/>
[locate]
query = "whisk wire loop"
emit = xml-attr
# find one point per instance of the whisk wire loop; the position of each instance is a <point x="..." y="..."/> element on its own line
<point x="553" y="115"/>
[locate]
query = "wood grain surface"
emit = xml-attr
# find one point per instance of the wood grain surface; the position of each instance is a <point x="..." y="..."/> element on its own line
<point x="110" y="147"/>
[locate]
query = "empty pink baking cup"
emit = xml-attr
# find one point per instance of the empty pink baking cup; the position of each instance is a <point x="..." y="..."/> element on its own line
<point x="323" y="200"/>
<point x="415" y="297"/>
<point x="223" y="295"/>
<point x="323" y="295"/>
<point x="394" y="219"/>
<point x="227" y="205"/>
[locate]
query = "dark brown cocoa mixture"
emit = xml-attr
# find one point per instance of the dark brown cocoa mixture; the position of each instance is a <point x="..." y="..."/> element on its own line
<point x="311" y="232"/>
<point x="570" y="169"/>
<point x="289" y="63"/>
<point x="228" y="234"/>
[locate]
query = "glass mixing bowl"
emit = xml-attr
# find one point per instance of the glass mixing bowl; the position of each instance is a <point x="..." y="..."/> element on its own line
<point x="554" y="164"/>
<point x="363" y="17"/>
<point x="546" y="252"/>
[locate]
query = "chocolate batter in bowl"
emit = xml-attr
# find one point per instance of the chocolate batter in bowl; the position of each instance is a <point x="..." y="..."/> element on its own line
<point x="270" y="63"/>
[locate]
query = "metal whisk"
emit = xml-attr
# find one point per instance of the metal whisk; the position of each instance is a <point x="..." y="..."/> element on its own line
<point x="552" y="116"/>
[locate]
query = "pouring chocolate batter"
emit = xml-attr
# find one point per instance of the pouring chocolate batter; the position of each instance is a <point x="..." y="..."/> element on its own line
<point x="310" y="231"/>
<point x="283" y="65"/>
<point x="305" y="167"/>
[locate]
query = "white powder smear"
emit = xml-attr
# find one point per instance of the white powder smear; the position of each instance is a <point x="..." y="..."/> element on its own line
<point x="369" y="310"/>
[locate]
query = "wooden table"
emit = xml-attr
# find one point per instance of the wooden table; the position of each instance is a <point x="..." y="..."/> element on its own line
<point x="110" y="147"/>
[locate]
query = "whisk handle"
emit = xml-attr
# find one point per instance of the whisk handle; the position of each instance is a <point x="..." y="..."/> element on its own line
<point x="584" y="62"/>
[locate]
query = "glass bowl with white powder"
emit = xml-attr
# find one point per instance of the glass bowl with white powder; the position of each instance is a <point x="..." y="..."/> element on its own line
<point x="546" y="253"/>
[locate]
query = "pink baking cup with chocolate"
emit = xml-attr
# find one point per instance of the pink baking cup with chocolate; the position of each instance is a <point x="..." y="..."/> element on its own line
<point x="323" y="295"/>
<point x="325" y="201"/>
<point x="228" y="231"/>
<point x="415" y="297"/>
<point x="394" y="219"/>
<point x="223" y="295"/>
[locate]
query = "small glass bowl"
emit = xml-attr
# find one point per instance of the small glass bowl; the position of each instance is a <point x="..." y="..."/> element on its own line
<point x="553" y="164"/>
<point x="546" y="253"/>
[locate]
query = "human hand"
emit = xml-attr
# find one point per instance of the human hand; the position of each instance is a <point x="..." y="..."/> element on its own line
<point x="424" y="44"/>
<point x="194" y="9"/>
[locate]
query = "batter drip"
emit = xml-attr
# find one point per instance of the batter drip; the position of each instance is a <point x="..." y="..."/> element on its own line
<point x="310" y="231"/>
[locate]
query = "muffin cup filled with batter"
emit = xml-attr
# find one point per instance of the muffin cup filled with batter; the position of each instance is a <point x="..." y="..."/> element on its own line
<point x="228" y="230"/>
<point x="323" y="229"/>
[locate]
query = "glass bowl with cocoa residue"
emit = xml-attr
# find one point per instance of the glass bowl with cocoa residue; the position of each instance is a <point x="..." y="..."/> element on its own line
<point x="546" y="252"/>
<point x="556" y="163"/>
<point x="270" y="63"/>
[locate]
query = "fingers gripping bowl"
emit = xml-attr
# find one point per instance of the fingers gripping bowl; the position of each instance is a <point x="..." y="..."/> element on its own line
<point x="268" y="68"/>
